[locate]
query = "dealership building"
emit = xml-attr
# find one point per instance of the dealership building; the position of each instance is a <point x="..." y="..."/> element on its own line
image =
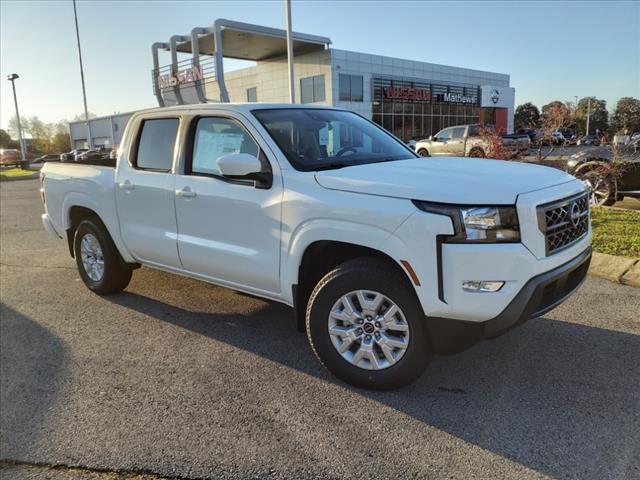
<point x="411" y="99"/>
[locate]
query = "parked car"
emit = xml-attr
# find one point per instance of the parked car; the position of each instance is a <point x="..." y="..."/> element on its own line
<point x="569" y="136"/>
<point x="10" y="157"/>
<point x="589" y="140"/>
<point x="468" y="141"/>
<point x="611" y="174"/>
<point x="47" y="158"/>
<point x="385" y="258"/>
<point x="98" y="155"/>
<point x="71" y="156"/>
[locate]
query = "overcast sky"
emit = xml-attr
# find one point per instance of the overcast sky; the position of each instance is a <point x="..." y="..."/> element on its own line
<point x="551" y="50"/>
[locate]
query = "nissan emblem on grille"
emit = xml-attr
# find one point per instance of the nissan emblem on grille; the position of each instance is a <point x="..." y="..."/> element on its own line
<point x="564" y="222"/>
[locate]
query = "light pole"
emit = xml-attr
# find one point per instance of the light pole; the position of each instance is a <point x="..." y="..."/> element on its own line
<point x="292" y="89"/>
<point x="12" y="78"/>
<point x="84" y="91"/>
<point x="588" y="113"/>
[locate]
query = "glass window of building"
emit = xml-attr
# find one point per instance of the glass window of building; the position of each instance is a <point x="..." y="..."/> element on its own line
<point x="312" y="89"/>
<point x="350" y="87"/>
<point x="418" y="109"/>
<point x="252" y="94"/>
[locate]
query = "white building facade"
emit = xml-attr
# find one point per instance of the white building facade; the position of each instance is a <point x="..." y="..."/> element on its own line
<point x="410" y="99"/>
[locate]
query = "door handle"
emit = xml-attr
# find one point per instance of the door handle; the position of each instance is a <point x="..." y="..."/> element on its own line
<point x="127" y="186"/>
<point x="186" y="192"/>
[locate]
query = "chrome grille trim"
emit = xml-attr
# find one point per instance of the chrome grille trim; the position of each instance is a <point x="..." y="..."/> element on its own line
<point x="564" y="222"/>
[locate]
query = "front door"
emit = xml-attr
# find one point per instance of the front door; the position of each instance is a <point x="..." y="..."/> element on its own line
<point x="144" y="194"/>
<point x="440" y="144"/>
<point x="228" y="231"/>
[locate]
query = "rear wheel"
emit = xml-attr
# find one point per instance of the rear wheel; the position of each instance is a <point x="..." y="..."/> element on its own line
<point x="476" y="153"/>
<point x="423" y="152"/>
<point x="366" y="326"/>
<point x="100" y="265"/>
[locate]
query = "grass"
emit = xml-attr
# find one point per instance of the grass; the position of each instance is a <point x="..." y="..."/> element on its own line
<point x="616" y="231"/>
<point x="15" y="172"/>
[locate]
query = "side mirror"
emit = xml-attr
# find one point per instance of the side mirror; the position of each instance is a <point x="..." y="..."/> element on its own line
<point x="243" y="166"/>
<point x="432" y="138"/>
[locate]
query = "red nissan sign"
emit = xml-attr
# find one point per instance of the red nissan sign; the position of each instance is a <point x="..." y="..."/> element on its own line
<point x="407" y="93"/>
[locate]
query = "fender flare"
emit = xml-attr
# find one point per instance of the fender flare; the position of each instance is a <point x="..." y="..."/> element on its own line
<point x="317" y="230"/>
<point x="78" y="199"/>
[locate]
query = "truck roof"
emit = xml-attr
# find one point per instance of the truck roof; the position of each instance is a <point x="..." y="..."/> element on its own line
<point x="236" y="107"/>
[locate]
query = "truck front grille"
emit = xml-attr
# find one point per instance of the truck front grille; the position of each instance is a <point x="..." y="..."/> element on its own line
<point x="564" y="222"/>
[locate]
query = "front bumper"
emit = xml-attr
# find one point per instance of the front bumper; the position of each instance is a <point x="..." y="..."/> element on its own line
<point x="539" y="295"/>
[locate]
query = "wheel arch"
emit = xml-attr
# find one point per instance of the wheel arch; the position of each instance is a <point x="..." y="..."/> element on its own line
<point x="310" y="260"/>
<point x="79" y="207"/>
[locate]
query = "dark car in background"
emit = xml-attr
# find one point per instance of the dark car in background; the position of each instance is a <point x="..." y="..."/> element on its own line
<point x="589" y="140"/>
<point x="610" y="173"/>
<point x="96" y="156"/>
<point x="71" y="156"/>
<point x="51" y="157"/>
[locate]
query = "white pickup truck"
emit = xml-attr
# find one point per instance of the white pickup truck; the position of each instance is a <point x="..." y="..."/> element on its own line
<point x="386" y="257"/>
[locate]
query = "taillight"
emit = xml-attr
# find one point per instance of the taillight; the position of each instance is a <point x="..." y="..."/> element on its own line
<point x="42" y="187"/>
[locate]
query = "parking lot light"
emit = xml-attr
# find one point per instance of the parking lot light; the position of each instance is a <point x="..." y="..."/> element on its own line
<point x="12" y="77"/>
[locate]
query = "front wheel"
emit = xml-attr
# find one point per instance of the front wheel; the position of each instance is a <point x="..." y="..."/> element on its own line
<point x="366" y="326"/>
<point x="602" y="190"/>
<point x="100" y="265"/>
<point x="423" y="152"/>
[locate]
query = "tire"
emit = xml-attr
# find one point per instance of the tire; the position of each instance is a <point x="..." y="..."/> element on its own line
<point x="99" y="248"/>
<point x="476" y="153"/>
<point x="423" y="152"/>
<point x="374" y="277"/>
<point x="603" y="190"/>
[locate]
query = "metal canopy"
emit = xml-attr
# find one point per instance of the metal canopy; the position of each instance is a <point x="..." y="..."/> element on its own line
<point x="254" y="42"/>
<point x="180" y="82"/>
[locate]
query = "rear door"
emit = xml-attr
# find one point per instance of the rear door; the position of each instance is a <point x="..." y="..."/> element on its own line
<point x="228" y="230"/>
<point x="441" y="143"/>
<point x="456" y="145"/>
<point x="144" y="193"/>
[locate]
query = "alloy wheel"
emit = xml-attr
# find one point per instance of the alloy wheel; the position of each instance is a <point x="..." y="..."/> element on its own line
<point x="368" y="330"/>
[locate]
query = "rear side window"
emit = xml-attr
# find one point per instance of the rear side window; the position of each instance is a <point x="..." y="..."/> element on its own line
<point x="458" y="132"/>
<point x="156" y="144"/>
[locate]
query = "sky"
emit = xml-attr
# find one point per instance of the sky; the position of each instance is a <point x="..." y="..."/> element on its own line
<point x="552" y="50"/>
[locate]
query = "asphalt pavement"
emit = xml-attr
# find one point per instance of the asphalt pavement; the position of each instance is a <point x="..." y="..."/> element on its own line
<point x="187" y="380"/>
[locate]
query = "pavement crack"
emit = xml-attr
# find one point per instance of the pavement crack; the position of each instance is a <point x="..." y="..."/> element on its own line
<point x="90" y="473"/>
<point x="5" y="264"/>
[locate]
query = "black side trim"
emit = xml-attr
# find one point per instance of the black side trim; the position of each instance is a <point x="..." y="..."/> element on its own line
<point x="440" y="239"/>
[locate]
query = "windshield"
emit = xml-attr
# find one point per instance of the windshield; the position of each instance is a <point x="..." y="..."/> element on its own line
<point x="318" y="139"/>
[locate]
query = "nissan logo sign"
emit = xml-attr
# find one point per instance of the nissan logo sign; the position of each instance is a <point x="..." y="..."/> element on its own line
<point x="574" y="214"/>
<point x="495" y="96"/>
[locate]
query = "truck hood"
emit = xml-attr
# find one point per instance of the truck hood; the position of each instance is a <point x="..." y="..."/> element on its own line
<point x="445" y="179"/>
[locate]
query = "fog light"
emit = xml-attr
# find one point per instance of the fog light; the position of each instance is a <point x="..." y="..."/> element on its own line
<point x="481" y="286"/>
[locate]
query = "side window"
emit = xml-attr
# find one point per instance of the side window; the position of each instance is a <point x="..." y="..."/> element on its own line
<point x="156" y="144"/>
<point x="458" y="133"/>
<point x="444" y="134"/>
<point x="215" y="137"/>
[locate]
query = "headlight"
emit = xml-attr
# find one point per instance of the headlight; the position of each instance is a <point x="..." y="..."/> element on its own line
<point x="474" y="224"/>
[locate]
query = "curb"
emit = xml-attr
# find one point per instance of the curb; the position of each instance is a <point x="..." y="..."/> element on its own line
<point x="616" y="269"/>
<point x="22" y="177"/>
